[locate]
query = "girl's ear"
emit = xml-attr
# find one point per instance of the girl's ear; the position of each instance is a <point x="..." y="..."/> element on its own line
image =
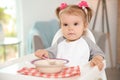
<point x="86" y="26"/>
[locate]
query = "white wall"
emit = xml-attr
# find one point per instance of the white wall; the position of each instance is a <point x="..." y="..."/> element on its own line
<point x="32" y="10"/>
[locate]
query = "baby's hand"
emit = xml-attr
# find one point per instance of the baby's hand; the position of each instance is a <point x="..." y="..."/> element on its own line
<point x="97" y="60"/>
<point x="42" y="54"/>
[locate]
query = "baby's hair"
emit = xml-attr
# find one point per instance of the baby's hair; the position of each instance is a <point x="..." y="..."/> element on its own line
<point x="75" y="9"/>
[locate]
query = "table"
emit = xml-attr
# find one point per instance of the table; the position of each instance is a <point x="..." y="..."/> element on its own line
<point x="10" y="41"/>
<point x="8" y="71"/>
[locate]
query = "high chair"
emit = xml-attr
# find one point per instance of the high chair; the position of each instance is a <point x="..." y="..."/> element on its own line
<point x="39" y="43"/>
<point x="8" y="70"/>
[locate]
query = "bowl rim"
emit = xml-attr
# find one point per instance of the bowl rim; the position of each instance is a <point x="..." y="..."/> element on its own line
<point x="65" y="60"/>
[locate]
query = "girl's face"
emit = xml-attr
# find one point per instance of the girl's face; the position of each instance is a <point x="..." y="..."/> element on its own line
<point x="72" y="26"/>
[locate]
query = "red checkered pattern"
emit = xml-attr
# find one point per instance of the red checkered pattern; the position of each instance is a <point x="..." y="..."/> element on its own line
<point x="66" y="72"/>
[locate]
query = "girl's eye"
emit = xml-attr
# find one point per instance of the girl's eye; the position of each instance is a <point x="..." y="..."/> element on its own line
<point x="65" y="24"/>
<point x="75" y="24"/>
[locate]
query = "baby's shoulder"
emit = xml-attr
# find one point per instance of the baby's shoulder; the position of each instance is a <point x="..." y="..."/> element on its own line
<point x="60" y="39"/>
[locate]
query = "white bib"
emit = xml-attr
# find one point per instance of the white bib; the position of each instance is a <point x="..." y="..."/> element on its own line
<point x="77" y="52"/>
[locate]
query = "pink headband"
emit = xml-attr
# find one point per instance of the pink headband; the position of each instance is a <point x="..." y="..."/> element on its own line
<point x="82" y="4"/>
<point x="63" y="6"/>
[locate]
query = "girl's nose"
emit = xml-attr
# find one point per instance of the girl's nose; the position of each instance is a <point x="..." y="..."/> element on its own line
<point x="70" y="28"/>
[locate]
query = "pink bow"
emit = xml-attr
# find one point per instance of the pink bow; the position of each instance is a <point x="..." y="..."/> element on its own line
<point x="63" y="6"/>
<point x="83" y="4"/>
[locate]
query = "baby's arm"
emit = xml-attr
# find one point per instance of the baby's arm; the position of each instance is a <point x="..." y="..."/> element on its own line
<point x="47" y="53"/>
<point x="97" y="57"/>
<point x="50" y="52"/>
<point x="96" y="54"/>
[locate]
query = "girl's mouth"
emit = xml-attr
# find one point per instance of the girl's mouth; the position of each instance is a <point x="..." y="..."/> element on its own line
<point x="71" y="34"/>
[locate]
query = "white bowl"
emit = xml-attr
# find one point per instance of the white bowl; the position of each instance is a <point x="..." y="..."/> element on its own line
<point x="50" y="65"/>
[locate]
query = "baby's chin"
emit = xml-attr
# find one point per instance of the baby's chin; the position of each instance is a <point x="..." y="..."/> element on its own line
<point x="71" y="40"/>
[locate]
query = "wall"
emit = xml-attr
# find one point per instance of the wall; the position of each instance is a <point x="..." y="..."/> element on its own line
<point x="29" y="11"/>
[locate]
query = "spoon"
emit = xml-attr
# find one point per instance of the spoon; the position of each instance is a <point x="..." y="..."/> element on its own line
<point x="49" y="61"/>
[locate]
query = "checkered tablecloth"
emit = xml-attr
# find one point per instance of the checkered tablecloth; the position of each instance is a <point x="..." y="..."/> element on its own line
<point x="66" y="72"/>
